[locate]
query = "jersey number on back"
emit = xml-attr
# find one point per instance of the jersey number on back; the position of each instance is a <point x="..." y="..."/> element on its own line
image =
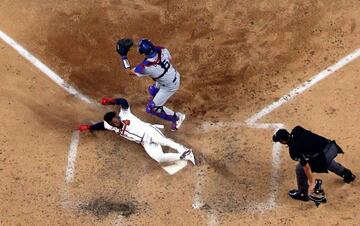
<point x="165" y="65"/>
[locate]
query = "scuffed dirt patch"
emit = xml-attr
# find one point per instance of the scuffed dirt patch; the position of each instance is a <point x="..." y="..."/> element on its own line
<point x="102" y="207"/>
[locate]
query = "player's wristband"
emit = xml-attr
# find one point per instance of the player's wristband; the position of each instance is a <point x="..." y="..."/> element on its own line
<point x="125" y="62"/>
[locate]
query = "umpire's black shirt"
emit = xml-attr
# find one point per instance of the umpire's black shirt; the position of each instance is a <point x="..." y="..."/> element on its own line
<point x="308" y="147"/>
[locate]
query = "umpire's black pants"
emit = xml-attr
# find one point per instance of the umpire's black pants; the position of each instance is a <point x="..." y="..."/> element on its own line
<point x="330" y="153"/>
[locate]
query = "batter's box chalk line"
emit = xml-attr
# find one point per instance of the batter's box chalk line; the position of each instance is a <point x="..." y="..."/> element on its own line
<point x="171" y="169"/>
<point x="43" y="68"/>
<point x="251" y="122"/>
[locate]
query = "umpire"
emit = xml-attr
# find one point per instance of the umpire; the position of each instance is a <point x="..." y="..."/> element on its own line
<point x="315" y="154"/>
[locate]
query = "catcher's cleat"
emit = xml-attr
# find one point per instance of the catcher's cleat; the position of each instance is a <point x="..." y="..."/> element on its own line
<point x="176" y="125"/>
<point x="173" y="126"/>
<point x="295" y="194"/>
<point x="348" y="176"/>
<point x="189" y="156"/>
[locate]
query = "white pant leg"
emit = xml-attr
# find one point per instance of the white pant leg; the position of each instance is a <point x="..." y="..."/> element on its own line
<point x="161" y="139"/>
<point x="155" y="151"/>
<point x="172" y="144"/>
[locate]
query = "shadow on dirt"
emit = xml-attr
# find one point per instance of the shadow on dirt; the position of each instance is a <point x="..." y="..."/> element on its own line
<point x="218" y="165"/>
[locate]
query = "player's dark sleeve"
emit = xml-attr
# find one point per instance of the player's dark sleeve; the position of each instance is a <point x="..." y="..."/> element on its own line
<point x="97" y="126"/>
<point x="122" y="102"/>
<point x="303" y="161"/>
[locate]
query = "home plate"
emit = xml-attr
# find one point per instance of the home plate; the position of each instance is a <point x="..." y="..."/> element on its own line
<point x="175" y="167"/>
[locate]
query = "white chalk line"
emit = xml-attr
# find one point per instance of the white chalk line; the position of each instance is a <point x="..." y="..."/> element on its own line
<point x="197" y="200"/>
<point x="253" y="123"/>
<point x="42" y="67"/>
<point x="69" y="174"/>
<point x="66" y="202"/>
<point x="70" y="169"/>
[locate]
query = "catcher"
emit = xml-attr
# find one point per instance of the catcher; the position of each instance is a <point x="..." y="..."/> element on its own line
<point x="315" y="154"/>
<point x="157" y="65"/>
<point x="132" y="128"/>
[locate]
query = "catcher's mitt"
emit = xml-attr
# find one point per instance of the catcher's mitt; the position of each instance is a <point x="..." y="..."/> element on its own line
<point x="318" y="194"/>
<point x="123" y="46"/>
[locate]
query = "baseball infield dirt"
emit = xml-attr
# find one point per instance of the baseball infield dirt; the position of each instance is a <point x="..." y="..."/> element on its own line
<point x="235" y="57"/>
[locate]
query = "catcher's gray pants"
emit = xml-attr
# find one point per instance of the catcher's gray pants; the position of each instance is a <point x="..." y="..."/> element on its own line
<point x="165" y="93"/>
<point x="333" y="166"/>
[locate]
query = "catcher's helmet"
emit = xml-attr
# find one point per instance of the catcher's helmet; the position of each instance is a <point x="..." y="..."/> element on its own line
<point x="146" y="47"/>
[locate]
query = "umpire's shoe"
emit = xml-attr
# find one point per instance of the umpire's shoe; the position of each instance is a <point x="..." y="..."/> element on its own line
<point x="348" y="176"/>
<point x="295" y="194"/>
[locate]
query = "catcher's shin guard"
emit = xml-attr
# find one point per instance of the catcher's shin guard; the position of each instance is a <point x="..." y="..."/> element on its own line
<point x="159" y="112"/>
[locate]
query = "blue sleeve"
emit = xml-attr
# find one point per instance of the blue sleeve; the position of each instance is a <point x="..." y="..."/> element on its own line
<point x="140" y="69"/>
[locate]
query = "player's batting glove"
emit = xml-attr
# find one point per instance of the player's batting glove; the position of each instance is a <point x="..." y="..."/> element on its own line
<point x="83" y="128"/>
<point x="123" y="46"/>
<point x="107" y="101"/>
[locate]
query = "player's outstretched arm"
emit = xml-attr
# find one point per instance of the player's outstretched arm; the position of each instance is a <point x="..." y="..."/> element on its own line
<point x="93" y="127"/>
<point x="115" y="101"/>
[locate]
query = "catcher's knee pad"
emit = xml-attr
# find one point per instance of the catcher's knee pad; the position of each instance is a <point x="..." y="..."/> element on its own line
<point x="153" y="90"/>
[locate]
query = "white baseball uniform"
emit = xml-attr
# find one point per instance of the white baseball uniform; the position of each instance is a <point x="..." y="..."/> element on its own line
<point x="149" y="136"/>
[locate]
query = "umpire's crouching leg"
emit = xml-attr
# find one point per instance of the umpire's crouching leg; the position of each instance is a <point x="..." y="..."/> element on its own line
<point x="302" y="180"/>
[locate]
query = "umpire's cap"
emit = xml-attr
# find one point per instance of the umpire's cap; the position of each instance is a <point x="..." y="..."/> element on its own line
<point x="281" y="134"/>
